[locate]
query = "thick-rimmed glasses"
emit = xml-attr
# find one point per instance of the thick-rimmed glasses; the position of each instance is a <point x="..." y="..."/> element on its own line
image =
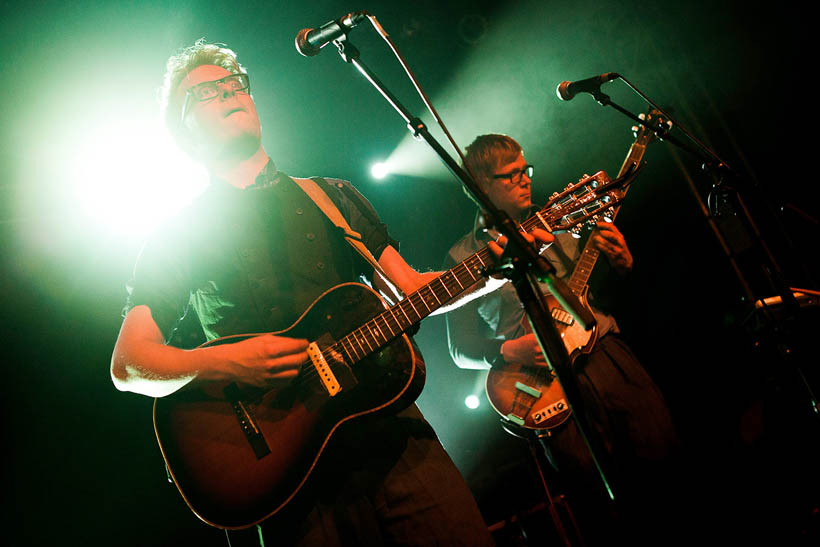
<point x="206" y="91"/>
<point x="515" y="177"/>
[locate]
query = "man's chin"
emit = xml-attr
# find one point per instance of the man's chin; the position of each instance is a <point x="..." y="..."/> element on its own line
<point x="238" y="148"/>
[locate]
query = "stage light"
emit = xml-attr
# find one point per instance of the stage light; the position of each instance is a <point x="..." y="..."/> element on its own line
<point x="471" y="402"/>
<point x="129" y="176"/>
<point x="379" y="170"/>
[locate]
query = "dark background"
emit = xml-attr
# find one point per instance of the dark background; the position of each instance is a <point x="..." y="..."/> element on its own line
<point x="81" y="462"/>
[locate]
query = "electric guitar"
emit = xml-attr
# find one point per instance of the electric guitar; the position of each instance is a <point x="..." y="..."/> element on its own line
<point x="239" y="455"/>
<point x="528" y="396"/>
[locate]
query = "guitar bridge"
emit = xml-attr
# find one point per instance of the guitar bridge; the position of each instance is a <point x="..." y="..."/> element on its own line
<point x="321" y="365"/>
<point x="247" y="422"/>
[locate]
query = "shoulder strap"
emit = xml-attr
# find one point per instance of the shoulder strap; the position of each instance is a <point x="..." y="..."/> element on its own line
<point x="326" y="205"/>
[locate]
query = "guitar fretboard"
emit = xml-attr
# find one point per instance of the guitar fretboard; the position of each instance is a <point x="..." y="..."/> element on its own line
<point x="391" y="323"/>
<point x="589" y="255"/>
<point x="385" y="327"/>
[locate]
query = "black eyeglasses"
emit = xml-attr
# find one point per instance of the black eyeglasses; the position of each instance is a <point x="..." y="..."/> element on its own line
<point x="206" y="91"/>
<point x="516" y="176"/>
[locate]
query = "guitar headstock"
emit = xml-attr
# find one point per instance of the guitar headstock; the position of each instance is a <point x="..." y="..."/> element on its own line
<point x="583" y="203"/>
<point x="658" y="124"/>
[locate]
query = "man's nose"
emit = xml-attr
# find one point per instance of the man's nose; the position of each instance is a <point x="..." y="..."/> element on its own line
<point x="226" y="91"/>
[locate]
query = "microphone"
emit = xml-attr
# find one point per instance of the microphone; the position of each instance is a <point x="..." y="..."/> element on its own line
<point x="567" y="90"/>
<point x="309" y="42"/>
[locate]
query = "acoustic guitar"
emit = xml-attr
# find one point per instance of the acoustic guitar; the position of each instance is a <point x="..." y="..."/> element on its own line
<point x="239" y="455"/>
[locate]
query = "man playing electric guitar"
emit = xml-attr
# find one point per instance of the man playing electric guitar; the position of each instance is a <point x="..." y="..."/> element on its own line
<point x="250" y="256"/>
<point x="624" y="404"/>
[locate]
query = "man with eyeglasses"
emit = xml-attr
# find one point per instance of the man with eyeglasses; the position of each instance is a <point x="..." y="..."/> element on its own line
<point x="624" y="404"/>
<point x="250" y="256"/>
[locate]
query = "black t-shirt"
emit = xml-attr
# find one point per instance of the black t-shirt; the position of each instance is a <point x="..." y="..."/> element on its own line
<point x="252" y="260"/>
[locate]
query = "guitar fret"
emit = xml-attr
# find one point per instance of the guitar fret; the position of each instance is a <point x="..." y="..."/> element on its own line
<point x="349" y="357"/>
<point x="477" y="269"/>
<point x="429" y="288"/>
<point x="365" y="333"/>
<point x="543" y="222"/>
<point x="352" y="347"/>
<point x="392" y="332"/>
<point x="376" y="324"/>
<point x="356" y="339"/>
<point x="385" y="319"/>
<point x="445" y="288"/>
<point x="459" y="282"/>
<point x="410" y="301"/>
<point x="401" y="309"/>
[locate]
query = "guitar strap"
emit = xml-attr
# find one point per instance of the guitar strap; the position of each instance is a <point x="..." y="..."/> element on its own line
<point x="326" y="205"/>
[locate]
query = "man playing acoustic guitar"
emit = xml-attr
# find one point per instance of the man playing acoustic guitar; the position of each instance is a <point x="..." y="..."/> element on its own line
<point x="251" y="255"/>
<point x="625" y="406"/>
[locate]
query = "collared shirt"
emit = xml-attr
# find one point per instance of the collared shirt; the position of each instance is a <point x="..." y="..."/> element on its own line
<point x="476" y="330"/>
<point x="252" y="260"/>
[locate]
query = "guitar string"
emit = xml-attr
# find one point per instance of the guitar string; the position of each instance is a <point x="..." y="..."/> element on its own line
<point x="310" y="372"/>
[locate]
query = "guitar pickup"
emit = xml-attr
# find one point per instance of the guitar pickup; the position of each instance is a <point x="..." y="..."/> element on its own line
<point x="562" y="316"/>
<point x="329" y="380"/>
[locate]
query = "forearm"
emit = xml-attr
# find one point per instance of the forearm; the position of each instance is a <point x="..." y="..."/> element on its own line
<point x="477" y="290"/>
<point x="469" y="341"/>
<point x="142" y="363"/>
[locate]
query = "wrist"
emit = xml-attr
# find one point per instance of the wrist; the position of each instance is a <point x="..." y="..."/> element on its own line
<point x="495" y="357"/>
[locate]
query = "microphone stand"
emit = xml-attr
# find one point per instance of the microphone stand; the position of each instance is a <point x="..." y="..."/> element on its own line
<point x="718" y="169"/>
<point x="525" y="267"/>
<point x="731" y="192"/>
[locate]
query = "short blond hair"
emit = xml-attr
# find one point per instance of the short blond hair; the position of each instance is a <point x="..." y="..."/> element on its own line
<point x="180" y="64"/>
<point x="488" y="152"/>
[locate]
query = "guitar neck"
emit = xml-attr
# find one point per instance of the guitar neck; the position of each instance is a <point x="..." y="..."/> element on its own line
<point x="411" y="310"/>
<point x="399" y="318"/>
<point x="589" y="255"/>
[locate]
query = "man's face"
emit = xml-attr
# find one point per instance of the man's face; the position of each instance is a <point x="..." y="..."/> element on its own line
<point x="514" y="198"/>
<point x="226" y="125"/>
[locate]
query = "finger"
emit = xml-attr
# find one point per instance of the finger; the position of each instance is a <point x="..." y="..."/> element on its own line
<point x="290" y="361"/>
<point x="280" y="345"/>
<point x="282" y="374"/>
<point x="610" y="236"/>
<point x="542" y="236"/>
<point x="496" y="249"/>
